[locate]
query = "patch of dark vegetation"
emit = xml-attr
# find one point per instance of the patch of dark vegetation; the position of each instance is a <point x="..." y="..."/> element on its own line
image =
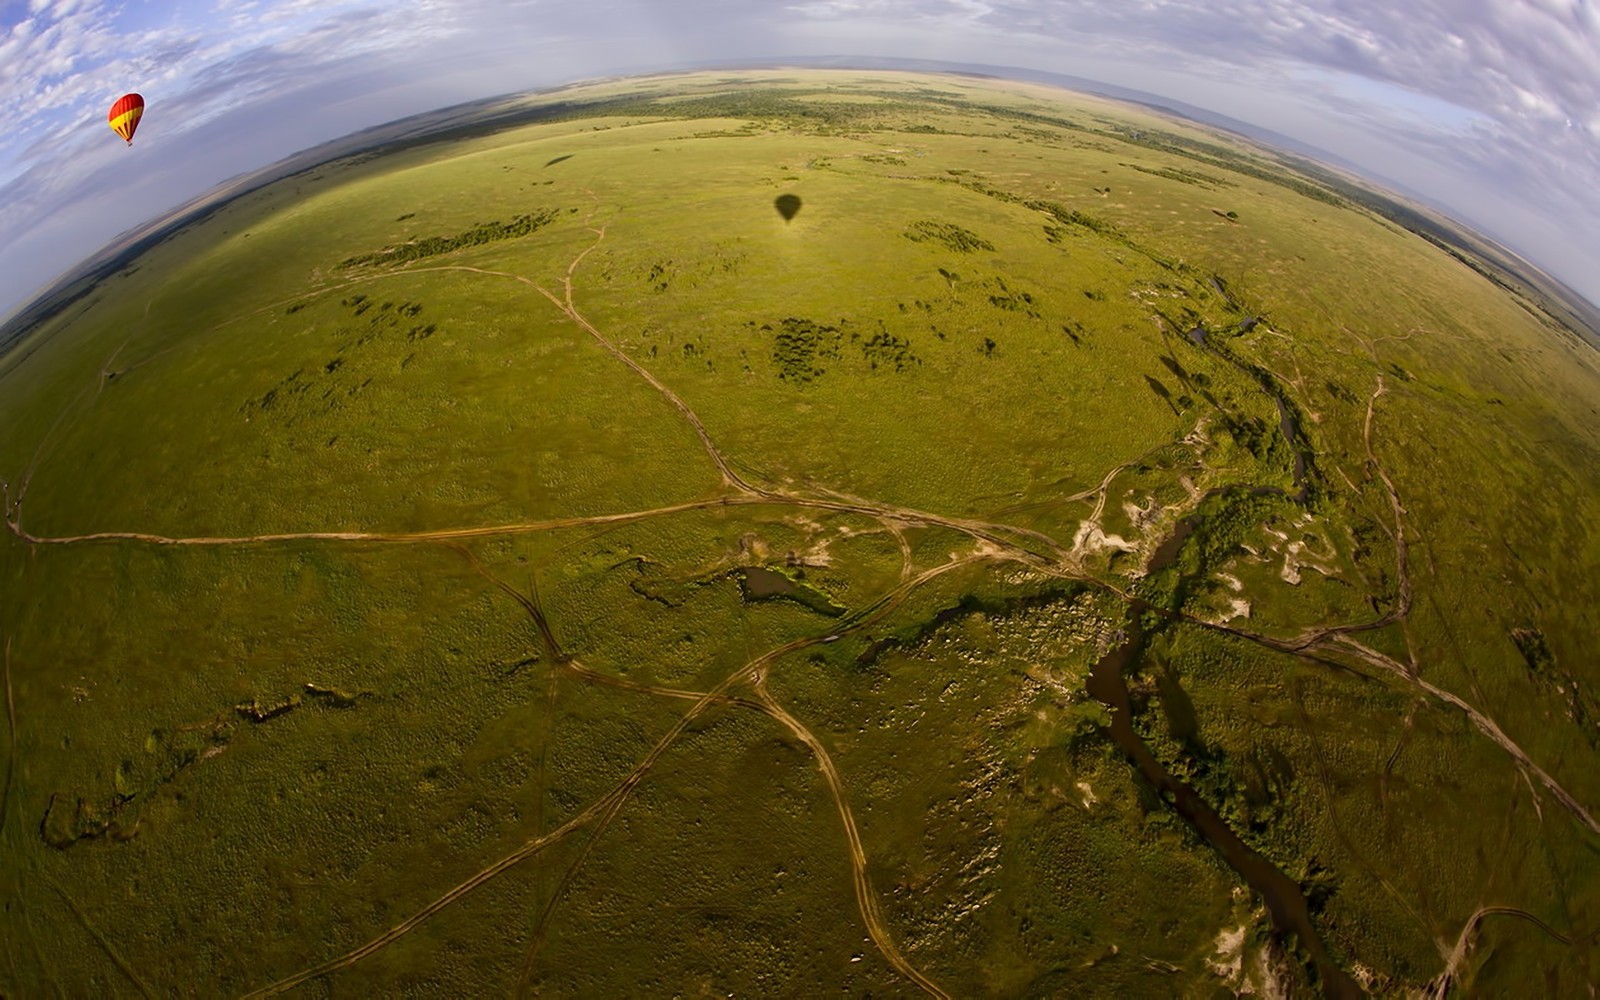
<point x="349" y="372"/>
<point x="987" y="190"/>
<point x="769" y="106"/>
<point x="1073" y="217"/>
<point x="1003" y="296"/>
<point x="1045" y="134"/>
<point x="1290" y="447"/>
<point x="1535" y="651"/>
<point x="995" y="607"/>
<point x="659" y="276"/>
<point x="1223" y="158"/>
<point x="884" y="160"/>
<point x="1555" y="681"/>
<point x="254" y="711"/>
<point x="800" y="346"/>
<point x="886" y="350"/>
<point x="1067" y="217"/>
<point x="1340" y="393"/>
<point x="334" y="697"/>
<point x="1195" y="177"/>
<point x="506" y="671"/>
<point x="433" y="246"/>
<point x="70" y="818"/>
<point x="666" y="274"/>
<point x="166" y="757"/>
<point x="1208" y="538"/>
<point x="1183" y="723"/>
<point x="948" y="235"/>
<point x="1251" y="792"/>
<point x="654" y="584"/>
<point x="1251" y="433"/>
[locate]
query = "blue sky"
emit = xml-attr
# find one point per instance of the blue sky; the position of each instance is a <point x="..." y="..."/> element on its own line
<point x="1489" y="107"/>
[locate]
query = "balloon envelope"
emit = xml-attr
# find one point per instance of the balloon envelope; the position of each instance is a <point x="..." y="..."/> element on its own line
<point x="125" y="115"/>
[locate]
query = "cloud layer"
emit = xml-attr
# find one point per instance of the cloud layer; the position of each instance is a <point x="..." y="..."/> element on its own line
<point x="1491" y="107"/>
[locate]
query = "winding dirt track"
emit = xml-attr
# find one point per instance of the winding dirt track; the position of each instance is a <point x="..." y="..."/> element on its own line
<point x="606" y="807"/>
<point x="754" y="674"/>
<point x="1441" y="984"/>
<point x="866" y="898"/>
<point x="105" y="945"/>
<point x="1397" y="535"/>
<point x="1483" y="723"/>
<point x="997" y="542"/>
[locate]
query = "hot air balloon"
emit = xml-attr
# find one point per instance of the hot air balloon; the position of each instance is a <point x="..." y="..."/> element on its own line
<point x="125" y="115"/>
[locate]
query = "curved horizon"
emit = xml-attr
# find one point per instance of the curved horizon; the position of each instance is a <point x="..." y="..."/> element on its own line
<point x="1487" y="114"/>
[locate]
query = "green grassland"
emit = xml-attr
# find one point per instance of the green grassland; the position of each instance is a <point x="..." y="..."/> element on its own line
<point x="524" y="561"/>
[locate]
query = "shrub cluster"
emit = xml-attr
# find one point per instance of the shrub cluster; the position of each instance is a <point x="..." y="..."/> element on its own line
<point x="949" y="235"/>
<point x="433" y="246"/>
<point x="799" y="347"/>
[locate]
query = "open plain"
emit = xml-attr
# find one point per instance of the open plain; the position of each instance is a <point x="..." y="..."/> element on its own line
<point x="1060" y="550"/>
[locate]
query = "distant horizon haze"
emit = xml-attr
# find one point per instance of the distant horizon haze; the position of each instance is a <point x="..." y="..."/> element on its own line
<point x="1487" y="112"/>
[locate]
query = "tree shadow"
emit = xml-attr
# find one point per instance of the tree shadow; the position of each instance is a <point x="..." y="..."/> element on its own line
<point x="788" y="206"/>
<point x="1162" y="391"/>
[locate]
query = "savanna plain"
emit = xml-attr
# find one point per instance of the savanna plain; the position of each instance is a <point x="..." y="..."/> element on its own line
<point x="802" y="533"/>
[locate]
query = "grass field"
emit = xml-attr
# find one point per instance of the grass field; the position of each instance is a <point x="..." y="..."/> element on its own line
<point x="529" y="561"/>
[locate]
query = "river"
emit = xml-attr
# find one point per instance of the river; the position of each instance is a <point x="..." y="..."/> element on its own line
<point x="1286" y="903"/>
<point x="1288" y="424"/>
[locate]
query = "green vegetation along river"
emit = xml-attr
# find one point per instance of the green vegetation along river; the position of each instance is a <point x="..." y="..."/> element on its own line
<point x="1284" y="899"/>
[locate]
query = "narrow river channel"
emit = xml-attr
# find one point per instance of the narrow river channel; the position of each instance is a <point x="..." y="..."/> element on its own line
<point x="1288" y="424"/>
<point x="1285" y="902"/>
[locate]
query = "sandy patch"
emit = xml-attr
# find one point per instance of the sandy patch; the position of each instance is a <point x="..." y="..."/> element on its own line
<point x="1228" y="962"/>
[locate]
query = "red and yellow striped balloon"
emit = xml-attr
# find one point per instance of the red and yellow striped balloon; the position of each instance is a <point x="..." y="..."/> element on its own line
<point x="125" y="115"/>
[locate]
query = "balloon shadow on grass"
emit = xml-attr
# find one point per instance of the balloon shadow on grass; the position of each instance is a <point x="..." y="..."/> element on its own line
<point x="788" y="206"/>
